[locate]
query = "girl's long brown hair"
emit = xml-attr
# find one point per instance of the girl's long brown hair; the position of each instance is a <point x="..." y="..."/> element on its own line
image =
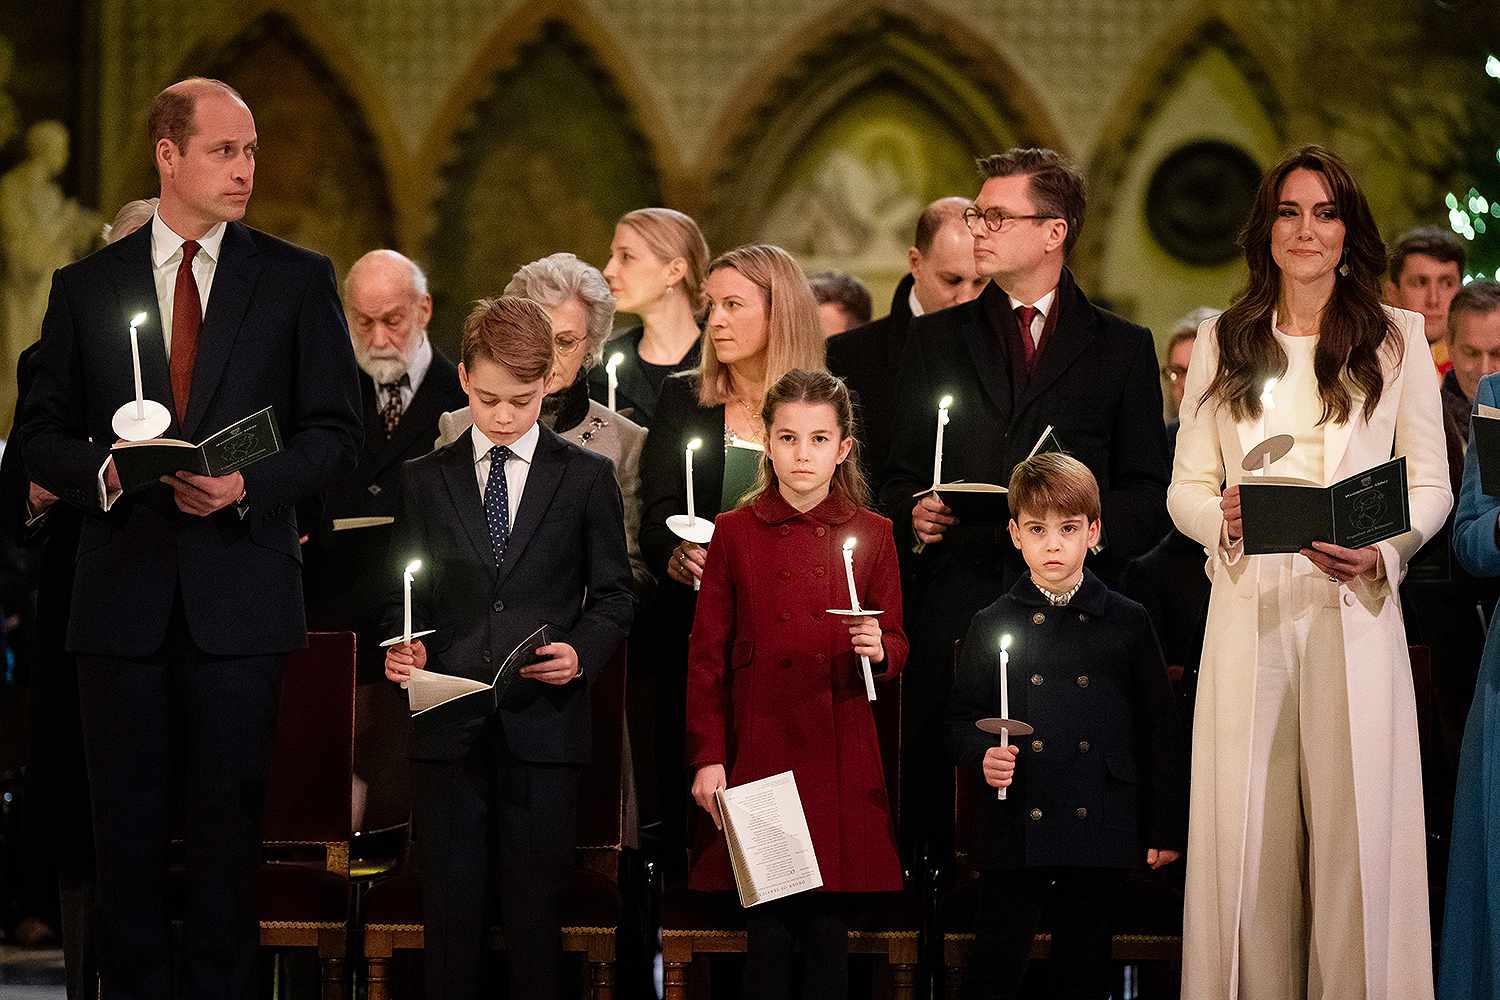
<point x="1353" y="330"/>
<point x="803" y="386"/>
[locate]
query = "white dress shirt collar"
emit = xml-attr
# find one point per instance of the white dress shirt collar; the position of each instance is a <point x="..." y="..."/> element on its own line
<point x="523" y="448"/>
<point x="913" y="303"/>
<point x="1042" y="305"/>
<point x="165" y="244"/>
<point x="421" y="360"/>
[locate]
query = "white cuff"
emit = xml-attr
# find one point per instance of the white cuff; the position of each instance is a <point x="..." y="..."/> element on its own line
<point x="1230" y="552"/>
<point x="106" y="498"/>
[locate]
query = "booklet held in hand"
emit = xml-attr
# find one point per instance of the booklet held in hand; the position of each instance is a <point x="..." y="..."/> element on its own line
<point x="242" y="443"/>
<point x="1288" y="515"/>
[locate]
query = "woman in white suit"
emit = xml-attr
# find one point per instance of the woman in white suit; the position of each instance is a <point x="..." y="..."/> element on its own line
<point x="1307" y="872"/>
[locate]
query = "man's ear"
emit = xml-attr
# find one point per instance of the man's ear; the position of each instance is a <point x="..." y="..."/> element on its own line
<point x="913" y="258"/>
<point x="1058" y="235"/>
<point x="1015" y="533"/>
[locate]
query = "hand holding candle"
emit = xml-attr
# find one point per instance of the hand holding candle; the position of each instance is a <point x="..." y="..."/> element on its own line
<point x="615" y="360"/>
<point x="937" y="466"/>
<point x="864" y="661"/>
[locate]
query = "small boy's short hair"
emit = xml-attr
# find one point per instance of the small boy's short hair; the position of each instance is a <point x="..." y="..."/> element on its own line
<point x="1054" y="483"/>
<point x="511" y="331"/>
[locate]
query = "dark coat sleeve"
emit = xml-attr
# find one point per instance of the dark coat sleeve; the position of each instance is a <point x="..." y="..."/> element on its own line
<point x="1160" y="749"/>
<point x="909" y="467"/>
<point x="972" y="697"/>
<point x="327" y="431"/>
<point x="610" y="603"/>
<point x="678" y="418"/>
<point x="1135" y="505"/>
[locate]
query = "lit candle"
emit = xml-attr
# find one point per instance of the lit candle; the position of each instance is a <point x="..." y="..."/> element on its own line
<point x="937" y="455"/>
<point x="864" y="661"/>
<point x="135" y="361"/>
<point x="1267" y="403"/>
<point x="615" y="361"/>
<point x="1004" y="696"/>
<point x="406" y="578"/>
<point x="693" y="446"/>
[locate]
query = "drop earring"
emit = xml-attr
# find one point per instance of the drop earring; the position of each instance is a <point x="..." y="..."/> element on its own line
<point x="1344" y="263"/>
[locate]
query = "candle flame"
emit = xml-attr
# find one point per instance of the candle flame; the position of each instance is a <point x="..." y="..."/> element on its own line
<point x="945" y="402"/>
<point x="413" y="566"/>
<point x="137" y="320"/>
<point x="849" y="544"/>
<point x="1005" y="641"/>
<point x="695" y="444"/>
<point x="615" y="360"/>
<point x="1265" y="394"/>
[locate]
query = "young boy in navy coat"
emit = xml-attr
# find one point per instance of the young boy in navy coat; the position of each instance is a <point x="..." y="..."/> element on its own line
<point x="515" y="528"/>
<point x="1099" y="787"/>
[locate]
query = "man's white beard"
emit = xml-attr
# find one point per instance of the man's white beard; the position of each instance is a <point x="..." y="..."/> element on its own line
<point x="384" y="368"/>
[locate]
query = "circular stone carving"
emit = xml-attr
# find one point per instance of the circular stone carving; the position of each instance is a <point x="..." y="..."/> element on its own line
<point x="1198" y="199"/>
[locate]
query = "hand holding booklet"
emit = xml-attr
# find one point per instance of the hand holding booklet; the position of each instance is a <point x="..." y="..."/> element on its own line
<point x="770" y="848"/>
<point x="1287" y="515"/>
<point x="142" y="463"/>
<point x="445" y="708"/>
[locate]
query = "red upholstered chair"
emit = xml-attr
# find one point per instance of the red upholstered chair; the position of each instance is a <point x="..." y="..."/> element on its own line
<point x="303" y="886"/>
<point x="695" y="923"/>
<point x="591" y="905"/>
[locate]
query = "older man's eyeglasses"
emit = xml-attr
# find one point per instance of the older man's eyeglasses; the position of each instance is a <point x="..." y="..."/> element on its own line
<point x="996" y="219"/>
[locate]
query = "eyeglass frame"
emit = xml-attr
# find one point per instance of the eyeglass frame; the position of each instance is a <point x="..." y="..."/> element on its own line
<point x="570" y="350"/>
<point x="972" y="214"/>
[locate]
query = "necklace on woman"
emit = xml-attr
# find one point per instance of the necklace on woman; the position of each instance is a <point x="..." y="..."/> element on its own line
<point x="757" y="434"/>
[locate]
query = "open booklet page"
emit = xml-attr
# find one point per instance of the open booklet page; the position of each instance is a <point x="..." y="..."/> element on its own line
<point x="770" y="848"/>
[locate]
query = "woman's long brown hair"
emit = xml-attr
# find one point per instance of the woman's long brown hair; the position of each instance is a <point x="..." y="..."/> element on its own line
<point x="801" y="385"/>
<point x="1353" y="328"/>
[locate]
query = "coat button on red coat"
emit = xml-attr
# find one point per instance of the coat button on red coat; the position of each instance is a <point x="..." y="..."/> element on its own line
<point x="784" y="574"/>
<point x="821" y="658"/>
<point x="820" y="532"/>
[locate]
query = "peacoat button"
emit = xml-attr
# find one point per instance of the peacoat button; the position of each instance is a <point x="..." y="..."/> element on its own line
<point x="784" y="574"/>
<point x="497" y="607"/>
<point x="486" y="656"/>
<point x="1083" y="746"/>
<point x="785" y="616"/>
<point x="820" y="658"/>
<point x="1036" y="746"/>
<point x="1038" y="618"/>
<point x="785" y="531"/>
<point x="1082" y="617"/>
<point x="1081" y="813"/>
<point x="817" y="571"/>
<point x="1083" y="681"/>
<point x="1036" y="815"/>
<point x="820" y="532"/>
<point x="1036" y="680"/>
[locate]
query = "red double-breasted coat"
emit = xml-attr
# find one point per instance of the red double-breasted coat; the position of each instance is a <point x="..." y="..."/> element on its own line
<point x="774" y="685"/>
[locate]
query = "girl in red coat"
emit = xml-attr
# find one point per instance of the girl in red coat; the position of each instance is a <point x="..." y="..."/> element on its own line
<point x="775" y="683"/>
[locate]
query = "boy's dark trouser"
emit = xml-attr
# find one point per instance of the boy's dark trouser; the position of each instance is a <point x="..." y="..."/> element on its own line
<point x="815" y="920"/>
<point x="1011" y="904"/>
<point x="528" y="815"/>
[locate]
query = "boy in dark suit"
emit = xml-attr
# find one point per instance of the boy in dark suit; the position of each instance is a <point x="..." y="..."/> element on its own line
<point x="1099" y="787"/>
<point x="515" y="527"/>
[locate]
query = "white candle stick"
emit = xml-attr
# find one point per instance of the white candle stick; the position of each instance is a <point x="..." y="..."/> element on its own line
<point x="1004" y="695"/>
<point x="406" y="578"/>
<point x="615" y="361"/>
<point x="135" y="361"/>
<point x="864" y="661"/>
<point x="1267" y="402"/>
<point x="692" y="446"/>
<point x="937" y="454"/>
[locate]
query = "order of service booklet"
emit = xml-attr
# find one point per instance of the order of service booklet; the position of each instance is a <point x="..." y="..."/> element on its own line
<point x="1486" y="423"/>
<point x="986" y="505"/>
<point x="438" y="701"/>
<point x="141" y="463"/>
<point x="770" y="848"/>
<point x="1287" y="515"/>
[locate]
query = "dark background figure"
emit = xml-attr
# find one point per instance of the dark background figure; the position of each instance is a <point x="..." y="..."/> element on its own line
<point x="657" y="263"/>
<point x="187" y="597"/>
<point x="1088" y="374"/>
<point x="868" y="358"/>
<point x="1174" y="369"/>
<point x="405" y="384"/>
<point x="843" y="301"/>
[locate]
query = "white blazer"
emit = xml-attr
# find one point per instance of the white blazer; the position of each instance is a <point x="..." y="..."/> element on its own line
<point x="1382" y="711"/>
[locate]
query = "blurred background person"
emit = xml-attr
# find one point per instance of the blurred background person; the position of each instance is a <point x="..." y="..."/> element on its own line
<point x="843" y="301"/>
<point x="1426" y="271"/>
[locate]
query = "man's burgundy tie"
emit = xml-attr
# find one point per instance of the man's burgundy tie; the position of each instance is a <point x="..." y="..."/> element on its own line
<point x="1025" y="315"/>
<point x="187" y="317"/>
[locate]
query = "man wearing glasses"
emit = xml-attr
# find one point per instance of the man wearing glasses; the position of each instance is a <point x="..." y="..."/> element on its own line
<point x="1029" y="353"/>
<point x="1174" y="371"/>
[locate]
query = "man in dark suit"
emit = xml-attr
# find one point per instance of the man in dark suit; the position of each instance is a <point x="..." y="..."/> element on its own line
<point x="188" y="594"/>
<point x="1028" y="353"/>
<point x="405" y="384"/>
<point x="868" y="357"/>
<point x="515" y="528"/>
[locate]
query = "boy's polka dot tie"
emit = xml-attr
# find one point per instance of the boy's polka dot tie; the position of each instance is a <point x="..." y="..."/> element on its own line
<point x="497" y="501"/>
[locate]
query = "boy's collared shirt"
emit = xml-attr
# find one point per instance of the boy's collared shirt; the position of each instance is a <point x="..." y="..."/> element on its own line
<point x="517" y="467"/>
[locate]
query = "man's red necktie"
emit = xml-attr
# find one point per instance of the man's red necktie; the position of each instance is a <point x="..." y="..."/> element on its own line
<point x="1024" y="315"/>
<point x="187" y="317"/>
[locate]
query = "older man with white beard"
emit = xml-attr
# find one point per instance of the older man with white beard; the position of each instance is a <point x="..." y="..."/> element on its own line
<point x="405" y="384"/>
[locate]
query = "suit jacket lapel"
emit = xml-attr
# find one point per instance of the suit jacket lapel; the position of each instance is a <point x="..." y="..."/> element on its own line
<point x="987" y="349"/>
<point x="233" y="284"/>
<point x="136" y="290"/>
<point x="463" y="490"/>
<point x="542" y="480"/>
<point x="1072" y="335"/>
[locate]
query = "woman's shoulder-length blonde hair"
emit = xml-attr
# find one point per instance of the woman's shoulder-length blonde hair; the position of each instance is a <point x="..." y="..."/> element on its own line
<point x="794" y="337"/>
